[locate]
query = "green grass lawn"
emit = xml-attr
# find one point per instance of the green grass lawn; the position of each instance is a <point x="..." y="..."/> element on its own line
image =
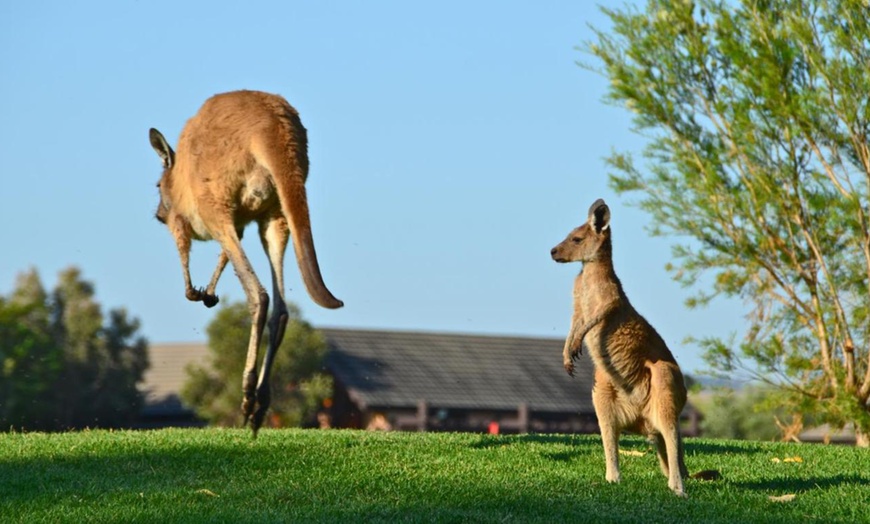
<point x="353" y="476"/>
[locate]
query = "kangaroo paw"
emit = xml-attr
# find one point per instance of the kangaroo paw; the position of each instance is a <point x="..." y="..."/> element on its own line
<point x="193" y="294"/>
<point x="569" y="367"/>
<point x="201" y="295"/>
<point x="210" y="300"/>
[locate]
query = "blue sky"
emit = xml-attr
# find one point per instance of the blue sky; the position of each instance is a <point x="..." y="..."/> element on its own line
<point x="452" y="144"/>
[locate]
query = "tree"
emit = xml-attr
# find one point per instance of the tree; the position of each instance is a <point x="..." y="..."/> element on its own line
<point x="30" y="363"/>
<point x="757" y="118"/>
<point x="299" y="386"/>
<point x="744" y="414"/>
<point x="102" y="362"/>
<point x="63" y="366"/>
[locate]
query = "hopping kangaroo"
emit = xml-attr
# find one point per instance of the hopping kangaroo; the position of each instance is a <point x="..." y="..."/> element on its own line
<point x="243" y="158"/>
<point x="638" y="385"/>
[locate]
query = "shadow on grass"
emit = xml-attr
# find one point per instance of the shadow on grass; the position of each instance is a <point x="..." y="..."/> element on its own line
<point x="491" y="441"/>
<point x="627" y="441"/>
<point x="708" y="447"/>
<point x="795" y="485"/>
<point x="585" y="444"/>
<point x="578" y="445"/>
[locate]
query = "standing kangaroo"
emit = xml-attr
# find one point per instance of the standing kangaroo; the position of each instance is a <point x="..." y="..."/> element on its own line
<point x="243" y="158"/>
<point x="638" y="384"/>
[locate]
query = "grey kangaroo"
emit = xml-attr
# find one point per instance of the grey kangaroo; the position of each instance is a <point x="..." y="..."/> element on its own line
<point x="243" y="158"/>
<point x="638" y="384"/>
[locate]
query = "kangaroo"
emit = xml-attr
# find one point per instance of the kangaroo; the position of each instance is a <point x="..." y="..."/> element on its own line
<point x="243" y="158"/>
<point x="638" y="384"/>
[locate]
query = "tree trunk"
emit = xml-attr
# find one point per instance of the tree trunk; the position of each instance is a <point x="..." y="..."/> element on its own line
<point x="862" y="438"/>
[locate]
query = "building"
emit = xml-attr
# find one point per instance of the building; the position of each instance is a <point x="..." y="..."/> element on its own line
<point x="162" y="383"/>
<point x="418" y="381"/>
<point x="449" y="382"/>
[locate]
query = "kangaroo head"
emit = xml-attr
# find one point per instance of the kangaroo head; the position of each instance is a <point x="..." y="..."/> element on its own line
<point x="589" y="241"/>
<point x="167" y="155"/>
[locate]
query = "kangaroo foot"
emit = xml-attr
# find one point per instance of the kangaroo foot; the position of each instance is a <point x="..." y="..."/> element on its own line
<point x="249" y="398"/>
<point x="264" y="398"/>
<point x="210" y="300"/>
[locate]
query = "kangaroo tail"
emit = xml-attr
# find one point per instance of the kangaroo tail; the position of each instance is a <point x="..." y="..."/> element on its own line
<point x="288" y="164"/>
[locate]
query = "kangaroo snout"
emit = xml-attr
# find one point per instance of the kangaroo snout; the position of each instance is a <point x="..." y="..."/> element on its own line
<point x="555" y="254"/>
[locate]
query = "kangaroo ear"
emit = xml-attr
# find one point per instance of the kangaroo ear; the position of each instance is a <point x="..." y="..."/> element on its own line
<point x="164" y="151"/>
<point x="599" y="216"/>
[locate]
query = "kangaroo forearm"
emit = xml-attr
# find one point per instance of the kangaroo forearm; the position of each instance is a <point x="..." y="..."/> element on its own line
<point x="568" y="350"/>
<point x="571" y="347"/>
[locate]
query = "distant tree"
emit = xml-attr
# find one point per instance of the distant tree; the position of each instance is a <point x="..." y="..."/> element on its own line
<point x="745" y="414"/>
<point x="30" y="362"/>
<point x="299" y="385"/>
<point x="757" y="117"/>
<point x="62" y="366"/>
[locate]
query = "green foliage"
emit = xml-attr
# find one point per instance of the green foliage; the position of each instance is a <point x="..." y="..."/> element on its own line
<point x="747" y="414"/>
<point x="298" y="384"/>
<point x="30" y="366"/>
<point x="307" y="476"/>
<point x="62" y="365"/>
<point x="758" y="124"/>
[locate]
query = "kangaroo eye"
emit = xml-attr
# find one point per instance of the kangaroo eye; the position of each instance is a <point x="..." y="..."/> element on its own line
<point x="576" y="240"/>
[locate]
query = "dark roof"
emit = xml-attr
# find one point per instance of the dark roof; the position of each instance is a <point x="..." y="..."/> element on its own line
<point x="398" y="369"/>
<point x="165" y="376"/>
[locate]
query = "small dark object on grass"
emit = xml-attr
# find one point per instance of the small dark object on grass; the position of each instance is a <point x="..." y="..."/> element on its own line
<point x="707" y="474"/>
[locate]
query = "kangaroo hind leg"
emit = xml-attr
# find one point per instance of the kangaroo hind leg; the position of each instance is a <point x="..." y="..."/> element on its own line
<point x="606" y="409"/>
<point x="667" y="398"/>
<point x="274" y="234"/>
<point x="674" y="447"/>
<point x="661" y="452"/>
<point x="258" y="305"/>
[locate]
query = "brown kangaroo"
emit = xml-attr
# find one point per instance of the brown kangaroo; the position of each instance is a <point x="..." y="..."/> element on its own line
<point x="638" y="384"/>
<point x="243" y="158"/>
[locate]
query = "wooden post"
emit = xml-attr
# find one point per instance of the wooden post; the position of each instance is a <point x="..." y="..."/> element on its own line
<point x="523" y="418"/>
<point x="422" y="415"/>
